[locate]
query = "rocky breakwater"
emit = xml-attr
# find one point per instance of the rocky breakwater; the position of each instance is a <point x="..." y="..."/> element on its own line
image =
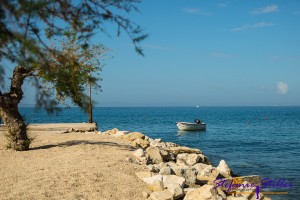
<point x="179" y="172"/>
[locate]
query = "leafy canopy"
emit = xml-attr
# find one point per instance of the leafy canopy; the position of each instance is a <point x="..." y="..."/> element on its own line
<point x="69" y="68"/>
<point x="27" y="25"/>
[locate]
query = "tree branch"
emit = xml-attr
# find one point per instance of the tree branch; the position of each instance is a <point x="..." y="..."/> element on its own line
<point x="19" y="74"/>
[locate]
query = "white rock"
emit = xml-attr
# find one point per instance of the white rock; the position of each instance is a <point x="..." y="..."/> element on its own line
<point x="202" y="193"/>
<point x="200" y="167"/>
<point x="111" y="132"/>
<point x="172" y="164"/>
<point x="120" y="133"/>
<point x="224" y="169"/>
<point x="173" y="179"/>
<point x="176" y="190"/>
<point x="206" y="171"/>
<point x="139" y="153"/>
<point x="153" y="143"/>
<point x="186" y="190"/>
<point x="165" y="171"/>
<point x="152" y="180"/>
<point x="150" y="140"/>
<point x="162" y="164"/>
<point x="187" y="159"/>
<point x="162" y="195"/>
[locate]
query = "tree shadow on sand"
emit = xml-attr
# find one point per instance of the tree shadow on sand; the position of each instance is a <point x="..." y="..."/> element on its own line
<point x="80" y="142"/>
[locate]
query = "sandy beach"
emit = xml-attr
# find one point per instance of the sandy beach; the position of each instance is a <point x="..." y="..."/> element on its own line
<point x="70" y="163"/>
<point x="69" y="166"/>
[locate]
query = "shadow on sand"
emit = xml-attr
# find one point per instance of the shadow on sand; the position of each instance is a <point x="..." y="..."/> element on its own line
<point x="80" y="142"/>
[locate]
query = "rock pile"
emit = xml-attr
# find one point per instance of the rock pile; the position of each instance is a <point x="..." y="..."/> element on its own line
<point x="179" y="172"/>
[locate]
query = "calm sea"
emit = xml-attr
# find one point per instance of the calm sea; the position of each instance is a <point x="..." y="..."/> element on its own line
<point x="252" y="140"/>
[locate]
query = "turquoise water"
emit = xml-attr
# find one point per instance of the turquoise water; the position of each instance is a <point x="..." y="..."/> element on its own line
<point x="252" y="140"/>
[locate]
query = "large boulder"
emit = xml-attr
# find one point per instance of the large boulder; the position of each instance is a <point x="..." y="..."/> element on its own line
<point x="181" y="149"/>
<point x="162" y="195"/>
<point x="187" y="159"/>
<point x="203" y="159"/>
<point x="200" y="167"/>
<point x="153" y="168"/>
<point x="120" y="134"/>
<point x="206" y="192"/>
<point x="110" y="132"/>
<point x="133" y="136"/>
<point x="206" y="172"/>
<point x="162" y="164"/>
<point x="224" y="169"/>
<point x="167" y="156"/>
<point x="155" y="183"/>
<point x="155" y="142"/>
<point x="207" y="175"/>
<point x="142" y="143"/>
<point x="172" y="164"/>
<point x="154" y="155"/>
<point x="189" y="174"/>
<point x="173" y="179"/>
<point x="153" y="179"/>
<point x="139" y="153"/>
<point x="165" y="171"/>
<point x="176" y="190"/>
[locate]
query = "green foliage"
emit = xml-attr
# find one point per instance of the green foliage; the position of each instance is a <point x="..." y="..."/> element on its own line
<point x="70" y="67"/>
<point x="27" y="25"/>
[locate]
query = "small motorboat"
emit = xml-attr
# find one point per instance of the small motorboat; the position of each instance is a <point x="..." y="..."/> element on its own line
<point x="188" y="126"/>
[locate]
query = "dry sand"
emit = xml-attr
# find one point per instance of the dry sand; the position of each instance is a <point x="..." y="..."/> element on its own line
<point x="69" y="166"/>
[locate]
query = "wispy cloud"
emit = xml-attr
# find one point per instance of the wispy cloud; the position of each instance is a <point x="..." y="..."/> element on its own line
<point x="252" y="26"/>
<point x="223" y="4"/>
<point x="196" y="11"/>
<point x="221" y="55"/>
<point x="296" y="13"/>
<point x="282" y="88"/>
<point x="265" y="10"/>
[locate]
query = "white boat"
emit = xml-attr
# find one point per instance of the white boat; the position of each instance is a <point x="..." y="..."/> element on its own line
<point x="187" y="126"/>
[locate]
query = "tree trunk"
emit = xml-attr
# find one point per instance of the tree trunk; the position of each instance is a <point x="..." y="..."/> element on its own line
<point x="16" y="128"/>
<point x="17" y="133"/>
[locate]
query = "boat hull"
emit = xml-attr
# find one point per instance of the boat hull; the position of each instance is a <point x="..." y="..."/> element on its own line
<point x="184" y="126"/>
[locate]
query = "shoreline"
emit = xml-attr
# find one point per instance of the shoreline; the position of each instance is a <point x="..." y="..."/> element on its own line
<point x="155" y="169"/>
<point x="191" y="173"/>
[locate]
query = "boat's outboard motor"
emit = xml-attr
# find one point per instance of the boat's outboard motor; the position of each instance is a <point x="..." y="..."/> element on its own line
<point x="197" y="121"/>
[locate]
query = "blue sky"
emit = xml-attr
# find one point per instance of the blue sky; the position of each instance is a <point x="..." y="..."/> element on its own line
<point x="206" y="53"/>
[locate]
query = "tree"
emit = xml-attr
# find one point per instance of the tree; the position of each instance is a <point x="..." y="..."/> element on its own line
<point x="25" y="28"/>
